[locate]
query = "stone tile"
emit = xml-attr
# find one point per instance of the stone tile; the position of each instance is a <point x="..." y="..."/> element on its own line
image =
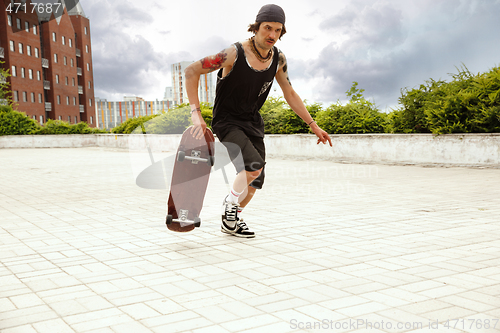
<point x="96" y="257"/>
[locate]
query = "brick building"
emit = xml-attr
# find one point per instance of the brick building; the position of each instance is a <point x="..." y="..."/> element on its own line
<point x="50" y="60"/>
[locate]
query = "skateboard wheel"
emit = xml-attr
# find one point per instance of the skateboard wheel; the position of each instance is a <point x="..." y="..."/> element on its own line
<point x="169" y="219"/>
<point x="181" y="155"/>
<point x="197" y="222"/>
<point x="211" y="161"/>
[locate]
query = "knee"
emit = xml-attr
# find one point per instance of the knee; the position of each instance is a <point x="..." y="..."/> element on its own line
<point x="254" y="174"/>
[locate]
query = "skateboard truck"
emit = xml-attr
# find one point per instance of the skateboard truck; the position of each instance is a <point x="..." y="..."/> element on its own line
<point x="195" y="157"/>
<point x="183" y="219"/>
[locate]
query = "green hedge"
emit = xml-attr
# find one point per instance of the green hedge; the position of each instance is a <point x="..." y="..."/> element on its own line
<point x="468" y="104"/>
<point x="63" y="127"/>
<point x="16" y="123"/>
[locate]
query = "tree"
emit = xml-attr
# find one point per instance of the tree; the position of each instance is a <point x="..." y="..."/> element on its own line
<point x="5" y="94"/>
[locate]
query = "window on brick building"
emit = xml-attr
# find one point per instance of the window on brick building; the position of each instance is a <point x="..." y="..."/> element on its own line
<point x="91" y="120"/>
<point x="14" y="71"/>
<point x="67" y="80"/>
<point x="63" y="40"/>
<point x="71" y="62"/>
<point x="39" y="98"/>
<point x="67" y="100"/>
<point x="23" y="72"/>
<point x="54" y="38"/>
<point x="20" y="46"/>
<point x="55" y="58"/>
<point x="32" y="97"/>
<point x="27" y="26"/>
<point x="87" y="48"/>
<point x="18" y="23"/>
<point x="34" y="29"/>
<point x="69" y="119"/>
<point x="65" y="60"/>
<point x="90" y="102"/>
<point x="38" y="76"/>
<point x="85" y="29"/>
<point x="25" y="96"/>
<point x="88" y="67"/>
<point x="90" y="84"/>
<point x="57" y="78"/>
<point x="60" y="118"/>
<point x="36" y="52"/>
<point x="30" y="74"/>
<point x="58" y="99"/>
<point x="74" y="100"/>
<point x="12" y="46"/>
<point x="15" y="96"/>
<point x="28" y="50"/>
<point x="9" y="20"/>
<point x="73" y="80"/>
<point x="76" y="120"/>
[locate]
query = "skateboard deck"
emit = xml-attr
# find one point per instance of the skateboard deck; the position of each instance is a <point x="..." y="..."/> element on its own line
<point x="194" y="160"/>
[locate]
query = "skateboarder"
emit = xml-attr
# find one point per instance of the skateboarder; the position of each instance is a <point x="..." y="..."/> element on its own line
<point x="246" y="72"/>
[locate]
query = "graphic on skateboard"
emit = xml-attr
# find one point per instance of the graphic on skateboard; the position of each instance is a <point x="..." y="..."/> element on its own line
<point x="194" y="160"/>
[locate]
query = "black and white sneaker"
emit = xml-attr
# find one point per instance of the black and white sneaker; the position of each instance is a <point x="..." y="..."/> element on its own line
<point x="229" y="212"/>
<point x="231" y="224"/>
<point x="240" y="229"/>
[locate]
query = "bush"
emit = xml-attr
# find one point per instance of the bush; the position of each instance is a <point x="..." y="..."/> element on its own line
<point x="16" y="123"/>
<point x="63" y="127"/>
<point x="357" y="116"/>
<point x="468" y="104"/>
<point x="129" y="126"/>
<point x="411" y="117"/>
<point x="173" y="122"/>
<point x="279" y="118"/>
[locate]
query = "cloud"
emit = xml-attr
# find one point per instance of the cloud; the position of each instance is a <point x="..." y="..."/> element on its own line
<point x="124" y="63"/>
<point x="387" y="47"/>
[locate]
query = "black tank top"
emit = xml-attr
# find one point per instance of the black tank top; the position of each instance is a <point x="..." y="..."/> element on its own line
<point x="240" y="95"/>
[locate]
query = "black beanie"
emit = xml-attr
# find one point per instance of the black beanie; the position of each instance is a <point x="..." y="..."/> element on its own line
<point x="271" y="13"/>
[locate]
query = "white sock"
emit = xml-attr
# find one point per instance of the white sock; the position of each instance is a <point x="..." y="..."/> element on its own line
<point x="234" y="196"/>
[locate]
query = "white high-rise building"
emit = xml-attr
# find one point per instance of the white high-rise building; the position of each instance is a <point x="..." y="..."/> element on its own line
<point x="206" y="88"/>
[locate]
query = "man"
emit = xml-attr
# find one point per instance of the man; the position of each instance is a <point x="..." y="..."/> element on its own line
<point x="246" y="73"/>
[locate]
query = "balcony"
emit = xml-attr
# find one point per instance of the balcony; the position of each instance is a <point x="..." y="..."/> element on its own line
<point x="2" y="52"/>
<point x="45" y="63"/>
<point x="46" y="85"/>
<point x="78" y="53"/>
<point x="82" y="108"/>
<point x="80" y="90"/>
<point x="48" y="106"/>
<point x="79" y="71"/>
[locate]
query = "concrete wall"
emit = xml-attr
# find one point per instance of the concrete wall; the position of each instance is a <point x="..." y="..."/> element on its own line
<point x="452" y="149"/>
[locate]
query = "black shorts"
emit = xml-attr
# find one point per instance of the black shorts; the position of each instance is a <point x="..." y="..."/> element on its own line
<point x="252" y="151"/>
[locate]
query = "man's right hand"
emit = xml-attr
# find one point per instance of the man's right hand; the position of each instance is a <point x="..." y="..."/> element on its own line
<point x="199" y="125"/>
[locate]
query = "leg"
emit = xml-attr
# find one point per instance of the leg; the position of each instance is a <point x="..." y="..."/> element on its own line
<point x="243" y="180"/>
<point x="247" y="196"/>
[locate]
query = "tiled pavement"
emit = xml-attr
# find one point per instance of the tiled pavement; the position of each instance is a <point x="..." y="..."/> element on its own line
<point x="339" y="248"/>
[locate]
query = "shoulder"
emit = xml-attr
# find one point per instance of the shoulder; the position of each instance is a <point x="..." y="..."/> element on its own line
<point x="282" y="58"/>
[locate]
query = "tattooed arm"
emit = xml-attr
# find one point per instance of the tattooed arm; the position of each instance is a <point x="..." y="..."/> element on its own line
<point x="224" y="59"/>
<point x="295" y="102"/>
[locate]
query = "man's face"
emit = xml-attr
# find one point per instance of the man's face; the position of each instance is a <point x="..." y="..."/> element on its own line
<point x="268" y="34"/>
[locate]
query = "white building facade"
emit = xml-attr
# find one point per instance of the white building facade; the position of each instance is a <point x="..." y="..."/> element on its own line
<point x="206" y="88"/>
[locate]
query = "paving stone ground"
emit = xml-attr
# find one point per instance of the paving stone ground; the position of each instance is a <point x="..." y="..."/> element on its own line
<point x="339" y="248"/>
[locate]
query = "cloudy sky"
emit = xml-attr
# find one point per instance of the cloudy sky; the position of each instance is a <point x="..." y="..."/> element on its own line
<point x="385" y="45"/>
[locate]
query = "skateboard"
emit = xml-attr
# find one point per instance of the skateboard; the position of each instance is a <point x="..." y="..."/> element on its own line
<point x="193" y="163"/>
